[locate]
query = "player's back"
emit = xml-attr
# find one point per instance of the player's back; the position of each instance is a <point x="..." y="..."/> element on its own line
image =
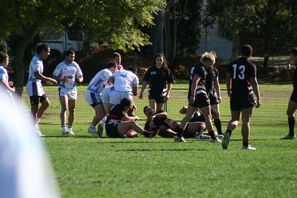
<point x="241" y="70"/>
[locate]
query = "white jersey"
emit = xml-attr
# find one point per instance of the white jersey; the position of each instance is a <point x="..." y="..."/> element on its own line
<point x="34" y="86"/>
<point x="71" y="71"/>
<point x="3" y="75"/>
<point x="99" y="81"/>
<point x="124" y="80"/>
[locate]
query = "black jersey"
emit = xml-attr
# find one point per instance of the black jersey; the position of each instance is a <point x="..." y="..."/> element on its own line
<point x="295" y="78"/>
<point x="201" y="72"/>
<point x="115" y="115"/>
<point x="158" y="79"/>
<point x="157" y="122"/>
<point x="241" y="70"/>
<point x="212" y="74"/>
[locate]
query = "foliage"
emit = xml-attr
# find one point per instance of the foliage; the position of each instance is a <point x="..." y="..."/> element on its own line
<point x="188" y="30"/>
<point x="271" y="20"/>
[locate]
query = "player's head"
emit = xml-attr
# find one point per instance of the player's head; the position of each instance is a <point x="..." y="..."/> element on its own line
<point x="293" y="51"/>
<point x="160" y="61"/>
<point x="126" y="104"/>
<point x="208" y="59"/>
<point x="246" y="50"/>
<point x="43" y="50"/>
<point x="148" y="111"/>
<point x="183" y="110"/>
<point x="112" y="66"/>
<point x="4" y="59"/>
<point x="70" y="55"/>
<point x="117" y="58"/>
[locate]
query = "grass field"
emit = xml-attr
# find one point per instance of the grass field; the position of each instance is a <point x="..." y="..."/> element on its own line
<point x="140" y="167"/>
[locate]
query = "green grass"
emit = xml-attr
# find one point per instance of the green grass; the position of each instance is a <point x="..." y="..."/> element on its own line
<point x="140" y="167"/>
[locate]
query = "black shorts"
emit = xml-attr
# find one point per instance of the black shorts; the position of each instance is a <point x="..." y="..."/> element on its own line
<point x="294" y="96"/>
<point x="213" y="99"/>
<point x="35" y="100"/>
<point x="112" y="131"/>
<point x="157" y="98"/>
<point x="201" y="100"/>
<point x="240" y="101"/>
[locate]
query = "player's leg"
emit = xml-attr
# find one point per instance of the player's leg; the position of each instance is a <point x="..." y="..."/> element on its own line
<point x="71" y="107"/>
<point x="64" y="105"/>
<point x="125" y="127"/>
<point x="292" y="106"/>
<point x="190" y="112"/>
<point x="208" y="123"/>
<point x="215" y="111"/>
<point x="232" y="124"/>
<point x="245" y="130"/>
<point x="153" y="104"/>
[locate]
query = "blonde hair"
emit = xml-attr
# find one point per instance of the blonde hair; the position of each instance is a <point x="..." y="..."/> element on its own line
<point x="208" y="58"/>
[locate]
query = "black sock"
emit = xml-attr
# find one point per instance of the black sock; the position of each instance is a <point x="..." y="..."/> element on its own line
<point x="229" y="132"/>
<point x="212" y="134"/>
<point x="291" y="122"/>
<point x="218" y="124"/>
<point x="179" y="131"/>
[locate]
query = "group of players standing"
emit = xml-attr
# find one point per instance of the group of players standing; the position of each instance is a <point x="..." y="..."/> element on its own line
<point x="110" y="93"/>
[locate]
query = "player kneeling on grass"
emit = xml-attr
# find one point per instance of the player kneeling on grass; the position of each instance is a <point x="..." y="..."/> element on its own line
<point x="119" y="124"/>
<point x="162" y="125"/>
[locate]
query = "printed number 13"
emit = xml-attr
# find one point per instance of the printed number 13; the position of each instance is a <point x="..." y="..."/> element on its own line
<point x="240" y="74"/>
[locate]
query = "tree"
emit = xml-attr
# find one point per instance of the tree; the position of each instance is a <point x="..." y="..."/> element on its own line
<point x="270" y="20"/>
<point x="115" y="21"/>
<point x="177" y="29"/>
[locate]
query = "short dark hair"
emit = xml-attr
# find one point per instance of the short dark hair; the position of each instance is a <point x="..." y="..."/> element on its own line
<point x="111" y="64"/>
<point x="126" y="102"/>
<point x="70" y="51"/>
<point x="246" y="50"/>
<point x="3" y="56"/>
<point x="41" y="47"/>
<point x="144" y="108"/>
<point x="294" y="51"/>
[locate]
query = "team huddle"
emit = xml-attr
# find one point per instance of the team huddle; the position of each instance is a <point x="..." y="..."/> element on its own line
<point x="110" y="94"/>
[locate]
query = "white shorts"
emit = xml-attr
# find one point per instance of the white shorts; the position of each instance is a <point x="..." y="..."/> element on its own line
<point x="117" y="96"/>
<point x="34" y="89"/>
<point x="93" y="98"/>
<point x="105" y="95"/>
<point x="71" y="94"/>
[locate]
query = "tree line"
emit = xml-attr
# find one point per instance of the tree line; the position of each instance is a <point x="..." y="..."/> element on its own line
<point x="151" y="26"/>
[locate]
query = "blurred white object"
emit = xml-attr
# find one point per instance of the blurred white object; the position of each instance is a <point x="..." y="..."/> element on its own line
<point x="25" y="170"/>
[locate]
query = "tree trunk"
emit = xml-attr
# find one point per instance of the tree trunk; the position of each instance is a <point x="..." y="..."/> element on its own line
<point x="19" y="64"/>
<point x="158" y="34"/>
<point x="174" y="32"/>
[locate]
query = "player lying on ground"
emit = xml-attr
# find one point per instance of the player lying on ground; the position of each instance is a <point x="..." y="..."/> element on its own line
<point x="162" y="125"/>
